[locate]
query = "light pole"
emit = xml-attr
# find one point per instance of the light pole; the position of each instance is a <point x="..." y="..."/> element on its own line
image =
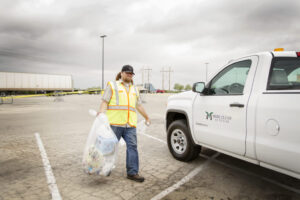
<point x="206" y="72"/>
<point x="103" y="36"/>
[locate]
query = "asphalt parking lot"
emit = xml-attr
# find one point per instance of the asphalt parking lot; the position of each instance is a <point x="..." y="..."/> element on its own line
<point x="63" y="126"/>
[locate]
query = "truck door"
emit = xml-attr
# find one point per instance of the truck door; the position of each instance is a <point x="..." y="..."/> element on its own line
<point x="219" y="113"/>
<point x="278" y="115"/>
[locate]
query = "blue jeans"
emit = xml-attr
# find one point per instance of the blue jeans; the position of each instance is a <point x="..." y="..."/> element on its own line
<point x="132" y="156"/>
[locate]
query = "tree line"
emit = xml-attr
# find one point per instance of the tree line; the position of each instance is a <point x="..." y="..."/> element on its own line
<point x="179" y="87"/>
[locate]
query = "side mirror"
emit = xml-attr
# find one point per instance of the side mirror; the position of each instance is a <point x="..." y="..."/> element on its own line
<point x="198" y="87"/>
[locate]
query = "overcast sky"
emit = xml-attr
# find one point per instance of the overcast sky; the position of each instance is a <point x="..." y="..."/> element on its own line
<point x="63" y="37"/>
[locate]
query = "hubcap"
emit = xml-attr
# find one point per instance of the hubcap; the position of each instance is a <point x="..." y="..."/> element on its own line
<point x="178" y="141"/>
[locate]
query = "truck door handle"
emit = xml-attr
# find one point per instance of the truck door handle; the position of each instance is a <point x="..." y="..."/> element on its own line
<point x="239" y="105"/>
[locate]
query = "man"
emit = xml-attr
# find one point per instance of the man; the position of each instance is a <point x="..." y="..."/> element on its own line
<point x="120" y="101"/>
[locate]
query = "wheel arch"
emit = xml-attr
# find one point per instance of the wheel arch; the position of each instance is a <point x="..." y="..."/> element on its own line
<point x="181" y="117"/>
<point x="173" y="115"/>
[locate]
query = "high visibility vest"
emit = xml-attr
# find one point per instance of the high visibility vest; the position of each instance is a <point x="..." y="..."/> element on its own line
<point x="122" y="105"/>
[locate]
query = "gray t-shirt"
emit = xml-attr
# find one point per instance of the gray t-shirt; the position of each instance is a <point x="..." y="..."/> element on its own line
<point x="108" y="93"/>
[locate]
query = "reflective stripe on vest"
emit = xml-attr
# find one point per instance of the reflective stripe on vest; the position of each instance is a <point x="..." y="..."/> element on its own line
<point x="121" y="107"/>
<point x="117" y="92"/>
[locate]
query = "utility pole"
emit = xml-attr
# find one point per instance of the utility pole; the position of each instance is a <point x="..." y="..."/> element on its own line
<point x="143" y="77"/>
<point x="170" y="78"/>
<point x="103" y="36"/>
<point x="148" y="70"/>
<point x="168" y="71"/>
<point x="163" y="73"/>
<point x="206" y="71"/>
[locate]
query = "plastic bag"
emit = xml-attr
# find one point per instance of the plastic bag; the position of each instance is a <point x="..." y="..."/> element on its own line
<point x="101" y="148"/>
<point x="141" y="127"/>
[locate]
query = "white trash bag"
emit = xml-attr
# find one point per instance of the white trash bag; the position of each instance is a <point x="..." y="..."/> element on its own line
<point x="101" y="148"/>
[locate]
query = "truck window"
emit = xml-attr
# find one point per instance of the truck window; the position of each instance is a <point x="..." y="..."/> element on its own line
<point x="284" y="74"/>
<point x="231" y="80"/>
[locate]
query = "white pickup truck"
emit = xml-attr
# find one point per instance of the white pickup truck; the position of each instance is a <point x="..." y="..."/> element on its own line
<point x="249" y="110"/>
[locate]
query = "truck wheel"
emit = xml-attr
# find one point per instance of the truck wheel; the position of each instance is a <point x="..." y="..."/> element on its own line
<point x="180" y="142"/>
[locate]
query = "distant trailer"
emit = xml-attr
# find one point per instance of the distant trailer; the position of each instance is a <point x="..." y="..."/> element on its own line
<point x="13" y="81"/>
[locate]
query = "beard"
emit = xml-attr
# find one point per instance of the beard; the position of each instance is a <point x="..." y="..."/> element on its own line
<point x="127" y="79"/>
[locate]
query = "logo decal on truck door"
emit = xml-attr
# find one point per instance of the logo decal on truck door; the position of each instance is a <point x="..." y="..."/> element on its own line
<point x="218" y="118"/>
<point x="209" y="115"/>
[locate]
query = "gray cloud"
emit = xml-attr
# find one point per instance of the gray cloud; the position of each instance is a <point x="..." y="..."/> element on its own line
<point x="64" y="36"/>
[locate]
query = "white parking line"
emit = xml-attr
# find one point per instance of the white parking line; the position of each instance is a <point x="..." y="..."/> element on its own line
<point x="162" y="141"/>
<point x="198" y="169"/>
<point x="185" y="179"/>
<point x="255" y="175"/>
<point x="48" y="170"/>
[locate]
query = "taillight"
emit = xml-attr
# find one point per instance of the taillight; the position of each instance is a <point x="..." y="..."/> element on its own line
<point x="298" y="54"/>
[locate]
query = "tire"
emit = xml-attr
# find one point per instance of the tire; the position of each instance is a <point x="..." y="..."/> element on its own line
<point x="180" y="142"/>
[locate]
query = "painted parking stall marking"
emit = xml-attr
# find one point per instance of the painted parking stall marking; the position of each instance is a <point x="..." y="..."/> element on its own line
<point x="48" y="170"/>
<point x="200" y="168"/>
<point x="185" y="179"/>
<point x="253" y="174"/>
<point x="154" y="138"/>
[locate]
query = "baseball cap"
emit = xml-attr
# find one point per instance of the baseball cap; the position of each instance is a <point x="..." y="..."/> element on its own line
<point x="127" y="68"/>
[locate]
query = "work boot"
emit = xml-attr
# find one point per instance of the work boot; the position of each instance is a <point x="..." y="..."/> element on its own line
<point x="136" y="177"/>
